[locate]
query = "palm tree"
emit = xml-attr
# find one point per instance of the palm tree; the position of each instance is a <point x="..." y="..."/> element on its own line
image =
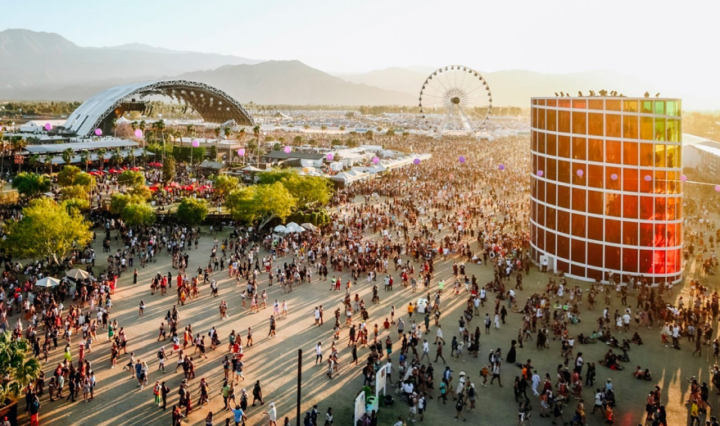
<point x="84" y="157"/>
<point x="101" y="156"/>
<point x="134" y="126"/>
<point x="160" y="127"/>
<point x="142" y="126"/>
<point x="256" y="132"/>
<point x="241" y="134"/>
<point x="34" y="161"/>
<point x="342" y="128"/>
<point x="67" y="156"/>
<point x="297" y="140"/>
<point x="190" y="130"/>
<point x="323" y="128"/>
<point x="114" y="124"/>
<point x="227" y="132"/>
<point x="217" y="132"/>
<point x="116" y="156"/>
<point x="47" y="160"/>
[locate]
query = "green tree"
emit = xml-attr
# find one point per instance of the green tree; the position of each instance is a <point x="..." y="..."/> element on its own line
<point x="116" y="157"/>
<point x="17" y="367"/>
<point x="67" y="156"/>
<point x="119" y="201"/>
<point x="168" y="169"/>
<point x="191" y="211"/>
<point x="138" y="214"/>
<point x="260" y="204"/>
<point x="224" y="184"/>
<point x="101" y="156"/>
<point x="310" y="191"/>
<point x="46" y="230"/>
<point x="85" y="180"/>
<point x="67" y="175"/>
<point x="141" y="191"/>
<point x="73" y="191"/>
<point x="34" y="161"/>
<point x="76" y="205"/>
<point x="131" y="178"/>
<point x="84" y="158"/>
<point x="31" y="184"/>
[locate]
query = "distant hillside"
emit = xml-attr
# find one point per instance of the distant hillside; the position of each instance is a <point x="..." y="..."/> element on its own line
<point x="33" y="59"/>
<point x="292" y="82"/>
<point x="511" y="88"/>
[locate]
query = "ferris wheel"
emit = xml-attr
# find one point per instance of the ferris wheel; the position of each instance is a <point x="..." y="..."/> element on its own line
<point x="455" y="99"/>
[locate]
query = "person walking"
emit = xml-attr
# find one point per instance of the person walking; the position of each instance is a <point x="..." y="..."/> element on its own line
<point x="318" y="353"/>
<point x="272" y="415"/>
<point x="439" y="353"/>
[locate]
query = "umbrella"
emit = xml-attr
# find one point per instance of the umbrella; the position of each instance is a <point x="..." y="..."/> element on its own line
<point x="153" y="188"/>
<point x="280" y="229"/>
<point x="77" y="274"/>
<point x="48" y="282"/>
<point x="309" y="227"/>
<point x="294" y="227"/>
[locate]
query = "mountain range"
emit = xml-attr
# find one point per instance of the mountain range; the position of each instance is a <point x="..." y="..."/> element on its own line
<point x="46" y="66"/>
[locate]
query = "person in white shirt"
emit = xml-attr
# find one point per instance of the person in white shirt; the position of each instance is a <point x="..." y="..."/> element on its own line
<point x="439" y="334"/>
<point x="535" y="383"/>
<point x="318" y="353"/>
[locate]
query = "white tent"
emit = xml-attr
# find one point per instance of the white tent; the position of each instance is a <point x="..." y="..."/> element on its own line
<point x="280" y="229"/>
<point x="294" y="227"/>
<point x="47" y="282"/>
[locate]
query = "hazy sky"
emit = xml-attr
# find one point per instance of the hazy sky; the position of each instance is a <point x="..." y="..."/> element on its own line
<point x="670" y="43"/>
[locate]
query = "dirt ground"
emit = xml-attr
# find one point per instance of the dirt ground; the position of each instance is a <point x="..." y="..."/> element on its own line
<point x="273" y="361"/>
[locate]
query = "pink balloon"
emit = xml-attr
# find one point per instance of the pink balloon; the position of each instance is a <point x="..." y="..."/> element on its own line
<point x="416" y="161"/>
<point x="195" y="144"/>
<point x="461" y="159"/>
<point x="540" y="173"/>
<point x="647" y="178"/>
<point x="241" y="152"/>
<point x="613" y="176"/>
<point x="580" y="172"/>
<point x="330" y="157"/>
<point x="287" y="150"/>
<point x="98" y="132"/>
<point x="48" y="126"/>
<point x="375" y="160"/>
<point x="138" y="133"/>
<point x="501" y="167"/>
<point x="683" y="178"/>
<point x="717" y="188"/>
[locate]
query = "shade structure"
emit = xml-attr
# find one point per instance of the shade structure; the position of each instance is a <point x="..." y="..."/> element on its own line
<point x="294" y="227"/>
<point x="309" y="227"/>
<point x="280" y="229"/>
<point x="47" y="282"/>
<point x="77" y="274"/>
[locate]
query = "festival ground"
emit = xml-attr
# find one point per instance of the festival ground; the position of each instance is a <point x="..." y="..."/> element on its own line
<point x="273" y="361"/>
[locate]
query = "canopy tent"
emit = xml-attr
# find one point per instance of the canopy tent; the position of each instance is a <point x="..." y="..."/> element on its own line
<point x="309" y="227"/>
<point x="294" y="227"/>
<point x="77" y="274"/>
<point x="280" y="229"/>
<point x="47" y="282"/>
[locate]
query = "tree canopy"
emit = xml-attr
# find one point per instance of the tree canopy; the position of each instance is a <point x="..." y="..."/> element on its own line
<point x="71" y="175"/>
<point x="310" y="191"/>
<point x="261" y="203"/>
<point x="17" y="367"/>
<point x="31" y="184"/>
<point x="131" y="178"/>
<point x="224" y="184"/>
<point x="119" y="201"/>
<point x="47" y="229"/>
<point x="168" y="169"/>
<point x="138" y="214"/>
<point x="192" y="211"/>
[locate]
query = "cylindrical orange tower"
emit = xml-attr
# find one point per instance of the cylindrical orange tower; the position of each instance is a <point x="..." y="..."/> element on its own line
<point x="606" y="189"/>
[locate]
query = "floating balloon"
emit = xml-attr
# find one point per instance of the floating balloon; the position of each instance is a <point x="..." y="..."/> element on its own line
<point x="375" y="160"/>
<point x="647" y="178"/>
<point x="461" y="159"/>
<point x="330" y="157"/>
<point x="540" y="173"/>
<point x="195" y="144"/>
<point x="98" y="132"/>
<point x="683" y="178"/>
<point x="138" y="133"/>
<point x="48" y="126"/>
<point x="717" y="188"/>
<point x="501" y="167"/>
<point x="416" y="161"/>
<point x="241" y="152"/>
<point x="580" y="172"/>
<point x="613" y="176"/>
<point x="287" y="150"/>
